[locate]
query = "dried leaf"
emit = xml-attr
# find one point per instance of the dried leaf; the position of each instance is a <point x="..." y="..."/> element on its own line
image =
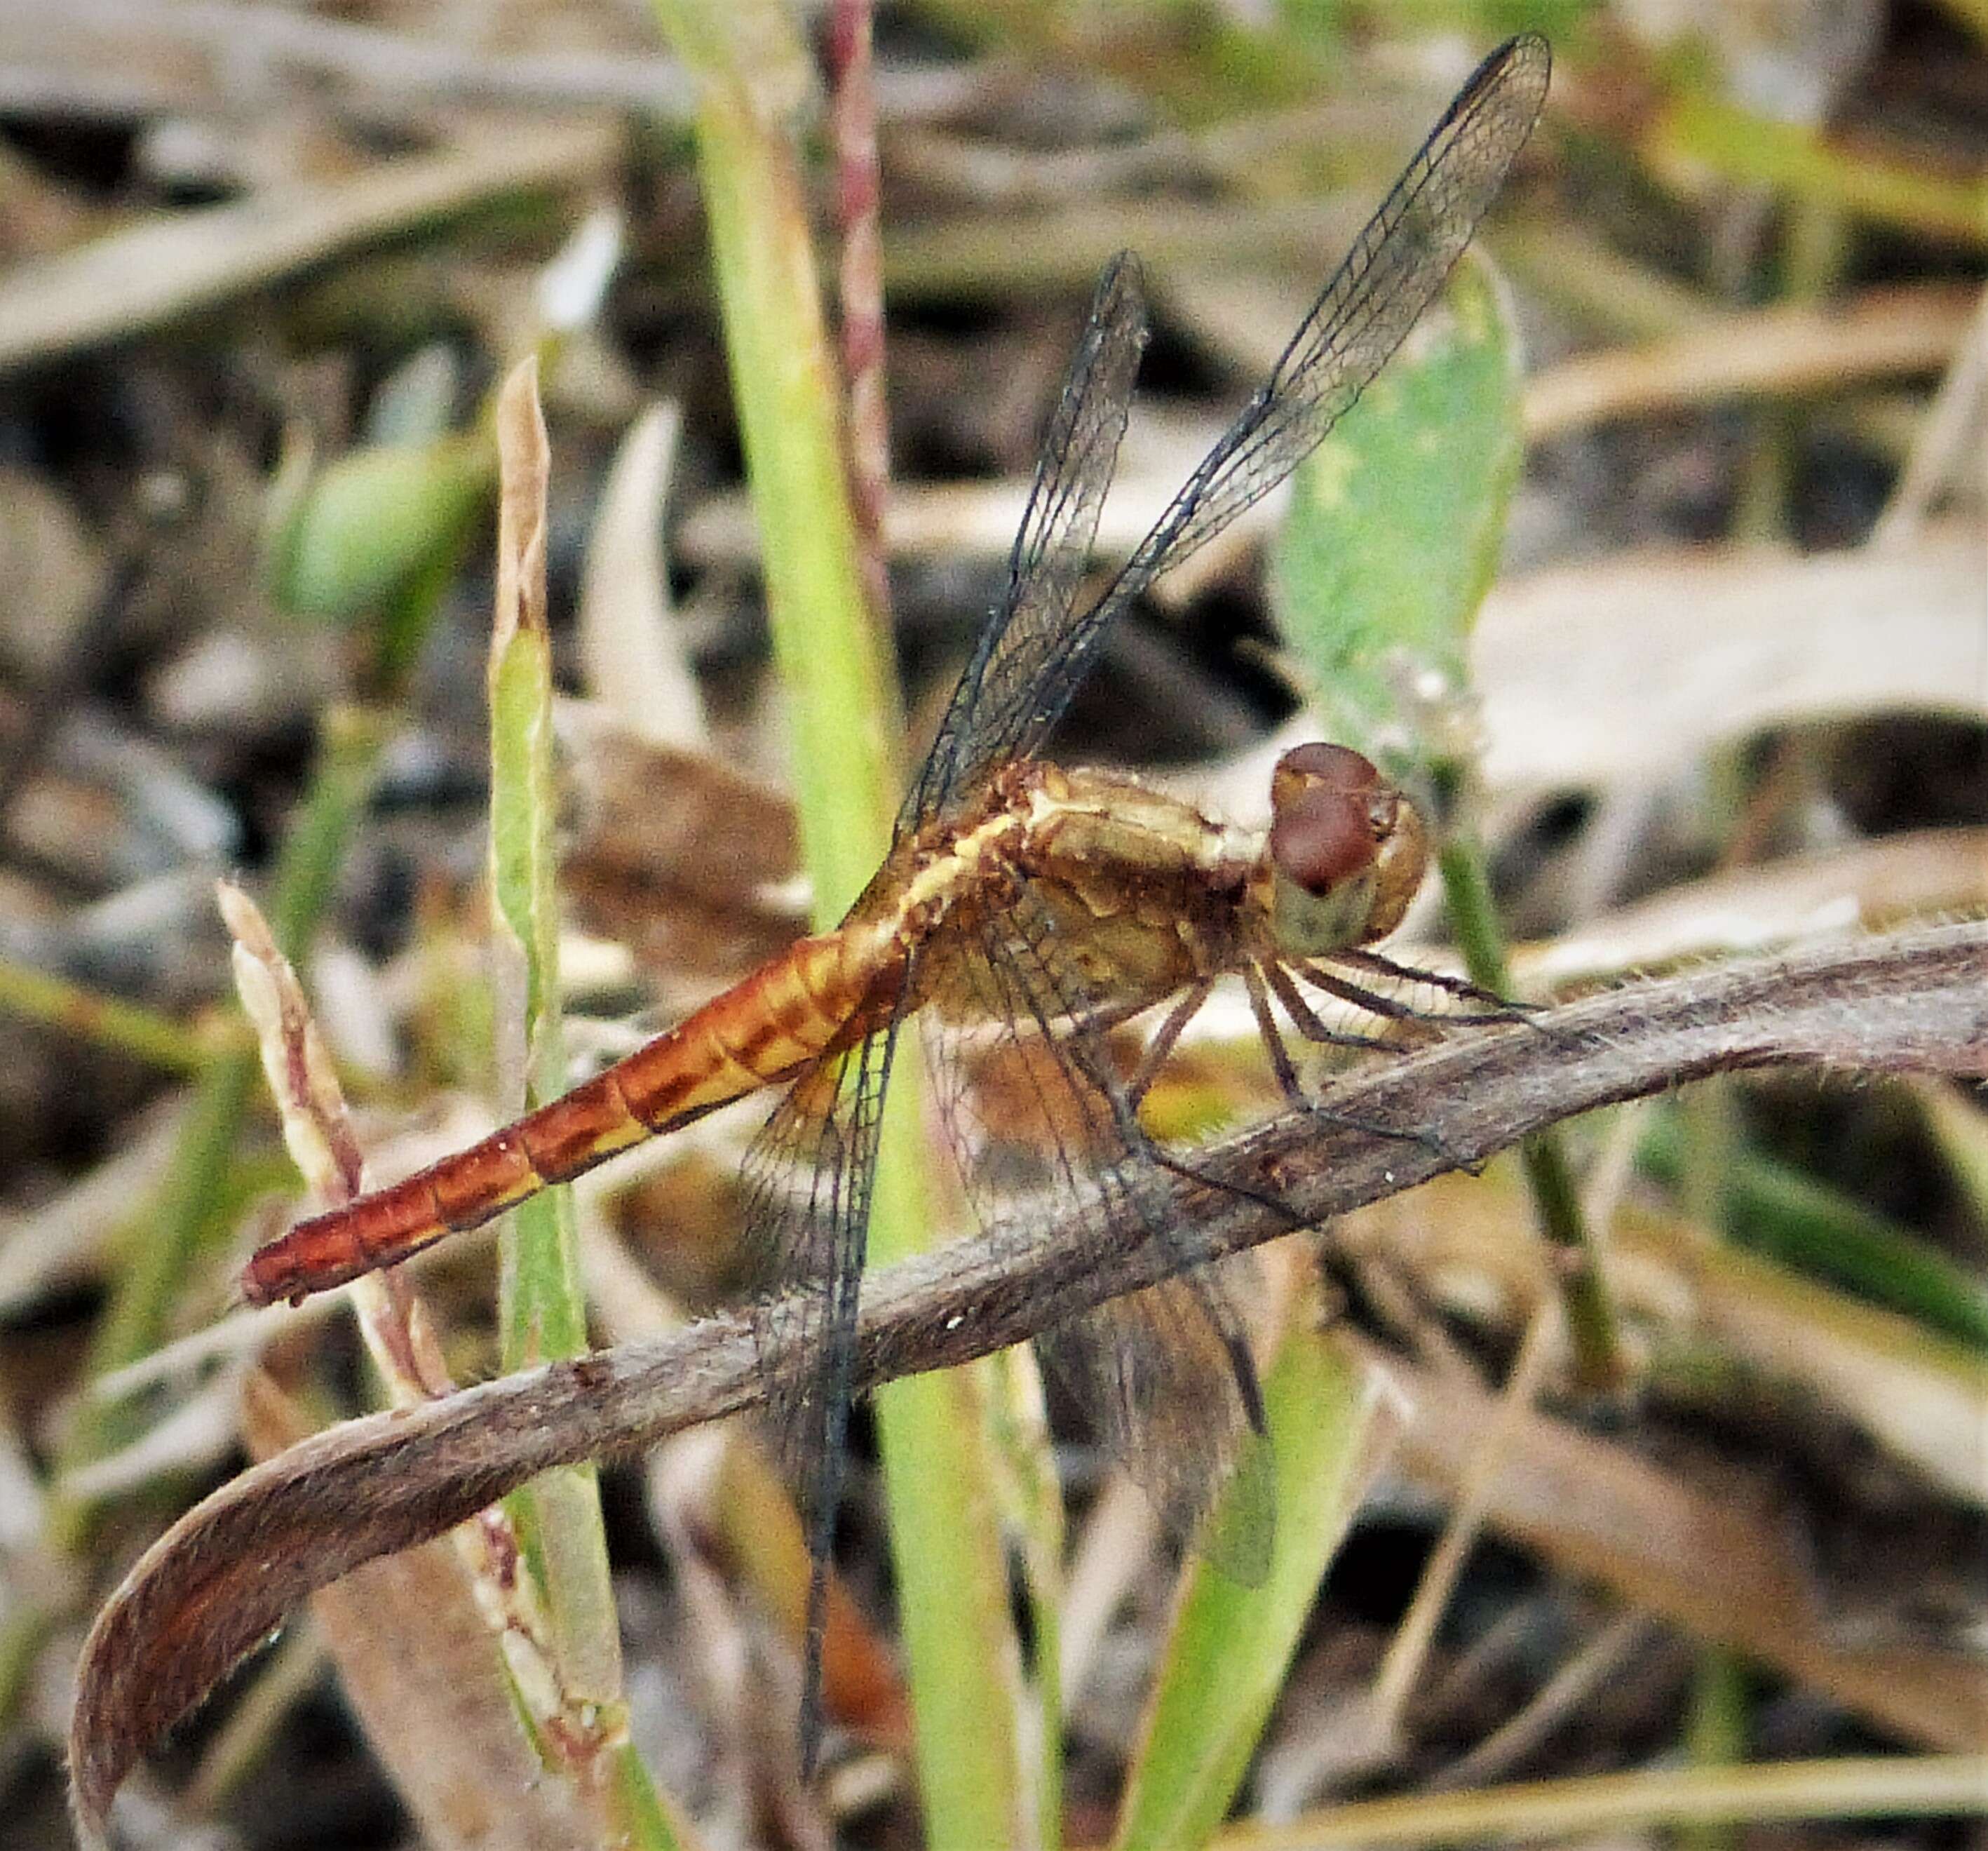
<point x="701" y="885"/>
<point x="422" y="1667"/>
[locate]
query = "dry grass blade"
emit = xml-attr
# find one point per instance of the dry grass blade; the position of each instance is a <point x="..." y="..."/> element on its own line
<point x="188" y="57"/>
<point x="441" y="1649"/>
<point x="631" y="650"/>
<point x="1608" y="1808"/>
<point x="229" y="1571"/>
<point x="163" y="270"/>
<point x="1721" y="1570"/>
<point x="1788" y="348"/>
<point x="1887" y="881"/>
<point x="701" y="888"/>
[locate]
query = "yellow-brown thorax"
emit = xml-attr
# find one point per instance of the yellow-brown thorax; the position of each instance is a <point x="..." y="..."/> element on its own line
<point x="1146" y="895"/>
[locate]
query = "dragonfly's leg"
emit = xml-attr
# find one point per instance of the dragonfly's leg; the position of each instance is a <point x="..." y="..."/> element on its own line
<point x="1305" y="1019"/>
<point x="1259" y="1004"/>
<point x="1497" y="1008"/>
<point x="1165" y="1036"/>
<point x="1429" y="1023"/>
<point x="1273" y="1043"/>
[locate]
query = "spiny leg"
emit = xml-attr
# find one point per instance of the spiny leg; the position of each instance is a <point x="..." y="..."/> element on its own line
<point x="1389" y="1009"/>
<point x="1254" y="978"/>
<point x="1163" y="1042"/>
<point x="1307" y="1022"/>
<point x="1165" y="1036"/>
<point x="1497" y="1008"/>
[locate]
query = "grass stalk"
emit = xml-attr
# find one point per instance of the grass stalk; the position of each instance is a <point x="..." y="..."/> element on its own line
<point x="542" y="1310"/>
<point x="844" y="726"/>
<point x="1931" y="1786"/>
<point x="1583" y="1282"/>
<point x="127" y="1028"/>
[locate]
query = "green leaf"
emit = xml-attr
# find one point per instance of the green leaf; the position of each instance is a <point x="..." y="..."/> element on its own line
<point x="349" y="542"/>
<point x="1396" y="530"/>
<point x="1230" y="1647"/>
<point x="1396" y="526"/>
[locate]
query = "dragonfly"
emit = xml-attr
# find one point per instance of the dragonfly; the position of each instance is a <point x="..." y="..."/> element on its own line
<point x="1049" y="905"/>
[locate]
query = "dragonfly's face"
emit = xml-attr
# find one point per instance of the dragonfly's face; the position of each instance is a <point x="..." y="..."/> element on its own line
<point x="1345" y="855"/>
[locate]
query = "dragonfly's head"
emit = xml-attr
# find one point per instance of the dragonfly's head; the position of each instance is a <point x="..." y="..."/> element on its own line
<point x="1345" y="853"/>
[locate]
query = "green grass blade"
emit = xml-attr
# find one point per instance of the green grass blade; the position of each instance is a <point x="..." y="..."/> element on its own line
<point x="844" y="724"/>
<point x="544" y="1306"/>
<point x="1229" y="1647"/>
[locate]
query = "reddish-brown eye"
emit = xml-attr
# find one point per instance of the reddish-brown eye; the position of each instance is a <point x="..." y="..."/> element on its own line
<point x="1339" y="767"/>
<point x="1322" y="829"/>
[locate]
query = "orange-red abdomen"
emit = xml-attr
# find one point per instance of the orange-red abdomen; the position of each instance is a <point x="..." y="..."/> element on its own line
<point x="756" y="1033"/>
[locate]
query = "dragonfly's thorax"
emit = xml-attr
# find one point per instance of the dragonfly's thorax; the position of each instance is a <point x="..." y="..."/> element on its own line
<point x="1143" y="888"/>
<point x="1144" y="893"/>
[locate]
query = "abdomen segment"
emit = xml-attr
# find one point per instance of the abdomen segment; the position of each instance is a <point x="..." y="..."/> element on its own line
<point x="756" y="1033"/>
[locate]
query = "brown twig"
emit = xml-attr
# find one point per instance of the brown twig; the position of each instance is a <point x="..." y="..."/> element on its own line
<point x="227" y="1573"/>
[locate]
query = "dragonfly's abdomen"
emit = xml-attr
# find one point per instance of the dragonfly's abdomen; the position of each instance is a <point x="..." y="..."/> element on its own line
<point x="754" y="1034"/>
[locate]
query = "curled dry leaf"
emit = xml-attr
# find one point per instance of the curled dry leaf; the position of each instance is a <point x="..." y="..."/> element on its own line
<point x="420" y="1662"/>
<point x="213" y="1586"/>
<point x="700" y="887"/>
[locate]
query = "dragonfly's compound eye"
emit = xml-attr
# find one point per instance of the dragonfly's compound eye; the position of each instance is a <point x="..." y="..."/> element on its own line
<point x="1330" y="811"/>
<point x="1346" y="851"/>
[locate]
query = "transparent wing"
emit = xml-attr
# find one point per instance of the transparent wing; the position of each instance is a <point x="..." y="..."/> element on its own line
<point x="1046" y="564"/>
<point x="807" y="1180"/>
<point x="1393" y="272"/>
<point x="1044" y="1127"/>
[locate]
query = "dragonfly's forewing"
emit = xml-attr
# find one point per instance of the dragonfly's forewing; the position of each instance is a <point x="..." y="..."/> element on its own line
<point x="1046" y="564"/>
<point x="1392" y="273"/>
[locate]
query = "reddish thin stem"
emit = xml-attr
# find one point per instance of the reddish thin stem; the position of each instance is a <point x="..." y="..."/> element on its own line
<point x="860" y="284"/>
